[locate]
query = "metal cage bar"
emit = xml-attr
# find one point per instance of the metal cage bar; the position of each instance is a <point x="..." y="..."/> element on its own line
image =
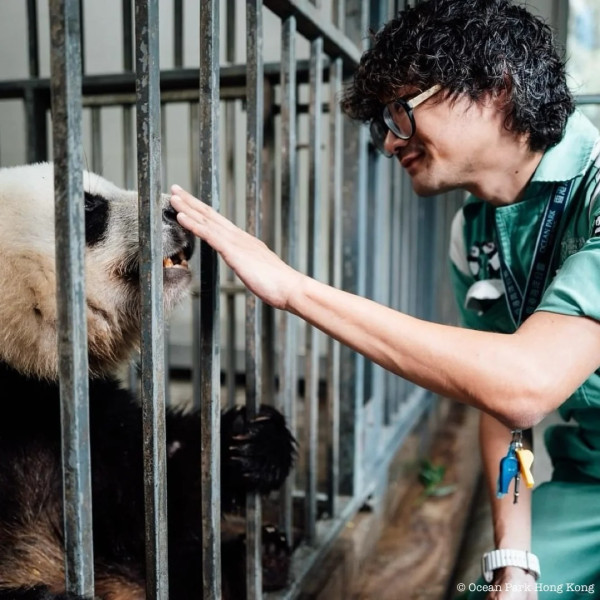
<point x="288" y="325"/>
<point x="255" y="106"/>
<point x="311" y="396"/>
<point x="152" y="330"/>
<point x="335" y="279"/>
<point x="70" y="282"/>
<point x="210" y="385"/>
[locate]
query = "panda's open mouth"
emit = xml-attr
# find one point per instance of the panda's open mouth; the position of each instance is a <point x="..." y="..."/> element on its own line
<point x="176" y="261"/>
<point x="179" y="259"/>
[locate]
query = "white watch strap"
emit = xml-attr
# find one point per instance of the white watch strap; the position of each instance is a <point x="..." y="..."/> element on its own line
<point x="505" y="557"/>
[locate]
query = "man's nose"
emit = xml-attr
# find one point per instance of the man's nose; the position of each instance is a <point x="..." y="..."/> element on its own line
<point x="392" y="143"/>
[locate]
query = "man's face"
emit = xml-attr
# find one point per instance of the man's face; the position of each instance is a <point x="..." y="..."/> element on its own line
<point x="455" y="143"/>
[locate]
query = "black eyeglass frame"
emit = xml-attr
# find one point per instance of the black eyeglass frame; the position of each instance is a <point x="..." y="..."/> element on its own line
<point x="380" y="127"/>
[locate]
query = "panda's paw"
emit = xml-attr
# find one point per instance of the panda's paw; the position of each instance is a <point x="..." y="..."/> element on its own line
<point x="276" y="554"/>
<point x="257" y="454"/>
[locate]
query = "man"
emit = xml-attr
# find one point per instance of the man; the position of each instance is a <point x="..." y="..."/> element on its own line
<point x="471" y="94"/>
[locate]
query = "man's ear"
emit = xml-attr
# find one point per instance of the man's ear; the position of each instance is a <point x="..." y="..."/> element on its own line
<point x="502" y="97"/>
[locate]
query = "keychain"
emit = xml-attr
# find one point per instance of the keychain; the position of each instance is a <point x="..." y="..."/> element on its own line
<point x="517" y="462"/>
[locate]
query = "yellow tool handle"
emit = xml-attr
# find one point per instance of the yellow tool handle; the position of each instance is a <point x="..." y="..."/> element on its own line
<point x="525" y="458"/>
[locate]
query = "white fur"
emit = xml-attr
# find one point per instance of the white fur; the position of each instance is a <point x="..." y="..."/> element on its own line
<point x="28" y="337"/>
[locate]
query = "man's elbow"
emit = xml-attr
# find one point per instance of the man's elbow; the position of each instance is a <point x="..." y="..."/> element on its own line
<point x="526" y="405"/>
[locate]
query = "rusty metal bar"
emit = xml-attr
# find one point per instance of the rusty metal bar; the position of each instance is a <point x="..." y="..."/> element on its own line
<point x="288" y="324"/>
<point x="314" y="261"/>
<point x="335" y="279"/>
<point x="178" y="33"/>
<point x="311" y="24"/>
<point x="97" y="165"/>
<point x="210" y="381"/>
<point x="70" y="280"/>
<point x="230" y="195"/>
<point x="152" y="331"/>
<point x="255" y="105"/>
<point x="33" y="52"/>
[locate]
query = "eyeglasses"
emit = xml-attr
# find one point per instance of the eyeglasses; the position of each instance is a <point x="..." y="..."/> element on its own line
<point x="398" y="118"/>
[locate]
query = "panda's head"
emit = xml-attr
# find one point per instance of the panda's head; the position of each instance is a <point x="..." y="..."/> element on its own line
<point x="28" y="335"/>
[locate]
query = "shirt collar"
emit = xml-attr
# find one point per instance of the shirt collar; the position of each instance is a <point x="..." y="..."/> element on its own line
<point x="564" y="161"/>
<point x="571" y="156"/>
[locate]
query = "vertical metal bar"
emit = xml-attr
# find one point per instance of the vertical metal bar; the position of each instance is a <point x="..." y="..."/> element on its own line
<point x="255" y="101"/>
<point x="82" y="36"/>
<point x="210" y="385"/>
<point x="128" y="147"/>
<point x="289" y="242"/>
<point x="314" y="260"/>
<point x="32" y="39"/>
<point x="339" y="13"/>
<point x="35" y="106"/>
<point x="97" y="166"/>
<point x="230" y="148"/>
<point x="268" y="236"/>
<point x="335" y="278"/>
<point x="195" y="136"/>
<point x="394" y="274"/>
<point x="152" y="333"/>
<point x="230" y="41"/>
<point x="127" y="11"/>
<point x="70" y="284"/>
<point x="353" y="271"/>
<point x="352" y="364"/>
<point x="178" y="33"/>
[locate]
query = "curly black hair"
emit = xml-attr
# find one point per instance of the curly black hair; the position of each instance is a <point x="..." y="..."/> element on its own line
<point x="470" y="47"/>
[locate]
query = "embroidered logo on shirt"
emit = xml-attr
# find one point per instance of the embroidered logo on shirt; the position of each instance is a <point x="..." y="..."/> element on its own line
<point x="596" y="226"/>
<point x="483" y="260"/>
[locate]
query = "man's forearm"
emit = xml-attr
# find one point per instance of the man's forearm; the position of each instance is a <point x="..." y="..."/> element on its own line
<point x="512" y="522"/>
<point x="498" y="373"/>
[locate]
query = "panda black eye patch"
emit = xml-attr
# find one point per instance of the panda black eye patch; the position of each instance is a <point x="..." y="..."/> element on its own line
<point x="96" y="218"/>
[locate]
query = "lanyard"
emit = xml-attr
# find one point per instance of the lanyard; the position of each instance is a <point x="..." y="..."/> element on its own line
<point x="522" y="304"/>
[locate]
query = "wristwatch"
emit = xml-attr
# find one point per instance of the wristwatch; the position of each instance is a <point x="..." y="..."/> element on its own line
<point x="496" y="559"/>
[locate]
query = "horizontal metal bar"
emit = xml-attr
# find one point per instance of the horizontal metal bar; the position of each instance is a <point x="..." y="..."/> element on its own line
<point x="311" y="24"/>
<point x="170" y="80"/>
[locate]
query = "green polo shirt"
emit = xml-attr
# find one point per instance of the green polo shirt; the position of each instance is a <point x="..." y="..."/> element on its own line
<point x="480" y="231"/>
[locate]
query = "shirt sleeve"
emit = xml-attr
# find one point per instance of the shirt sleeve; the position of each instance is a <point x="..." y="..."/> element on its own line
<point x="575" y="290"/>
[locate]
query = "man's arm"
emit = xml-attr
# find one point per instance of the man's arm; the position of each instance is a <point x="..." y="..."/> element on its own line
<point x="511" y="522"/>
<point x="517" y="378"/>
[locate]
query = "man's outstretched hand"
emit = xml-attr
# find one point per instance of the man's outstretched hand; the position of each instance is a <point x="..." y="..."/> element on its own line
<point x="259" y="269"/>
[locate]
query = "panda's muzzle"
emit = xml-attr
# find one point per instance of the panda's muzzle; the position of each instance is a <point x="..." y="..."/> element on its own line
<point x="180" y="259"/>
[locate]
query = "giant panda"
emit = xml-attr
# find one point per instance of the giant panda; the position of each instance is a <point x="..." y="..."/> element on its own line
<point x="256" y="454"/>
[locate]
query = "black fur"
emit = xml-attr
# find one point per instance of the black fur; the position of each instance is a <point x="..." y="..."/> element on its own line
<point x="96" y="218"/>
<point x="256" y="455"/>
